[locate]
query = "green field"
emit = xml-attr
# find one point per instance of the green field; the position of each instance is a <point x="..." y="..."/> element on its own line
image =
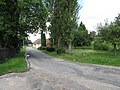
<point x="91" y="56"/>
<point x="14" y="64"/>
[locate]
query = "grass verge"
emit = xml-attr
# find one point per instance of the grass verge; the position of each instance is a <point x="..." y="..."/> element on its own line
<point x="91" y="56"/>
<point x="15" y="64"/>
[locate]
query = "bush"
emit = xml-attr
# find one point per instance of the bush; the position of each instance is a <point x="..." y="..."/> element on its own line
<point x="42" y="48"/>
<point x="1" y="60"/>
<point x="83" y="47"/>
<point x="50" y="49"/>
<point x="60" y="51"/>
<point x="100" y="46"/>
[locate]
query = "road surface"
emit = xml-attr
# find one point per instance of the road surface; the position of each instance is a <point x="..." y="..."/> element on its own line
<point x="50" y="73"/>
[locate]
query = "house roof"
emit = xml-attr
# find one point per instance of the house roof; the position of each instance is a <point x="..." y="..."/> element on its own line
<point x="38" y="41"/>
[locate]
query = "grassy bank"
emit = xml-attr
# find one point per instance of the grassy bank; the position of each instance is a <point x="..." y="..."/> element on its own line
<point x="91" y="56"/>
<point x="15" y="64"/>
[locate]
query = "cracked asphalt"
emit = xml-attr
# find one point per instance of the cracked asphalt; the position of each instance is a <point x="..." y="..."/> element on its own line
<point x="50" y="73"/>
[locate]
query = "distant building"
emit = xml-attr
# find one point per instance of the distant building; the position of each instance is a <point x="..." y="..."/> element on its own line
<point x="37" y="43"/>
<point x="48" y="42"/>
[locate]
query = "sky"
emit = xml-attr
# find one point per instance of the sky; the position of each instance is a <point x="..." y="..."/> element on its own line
<point x="92" y="13"/>
<point x="35" y="36"/>
<point x="97" y="11"/>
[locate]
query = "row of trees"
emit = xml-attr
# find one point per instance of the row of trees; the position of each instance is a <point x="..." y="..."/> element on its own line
<point x="110" y="33"/>
<point x="19" y="17"/>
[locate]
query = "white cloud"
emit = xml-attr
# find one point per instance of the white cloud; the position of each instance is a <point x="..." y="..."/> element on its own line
<point x="96" y="11"/>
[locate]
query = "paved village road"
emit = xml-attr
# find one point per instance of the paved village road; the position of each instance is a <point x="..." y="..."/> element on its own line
<point x="50" y="73"/>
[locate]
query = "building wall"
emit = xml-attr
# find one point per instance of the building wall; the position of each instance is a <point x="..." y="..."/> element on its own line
<point x="36" y="45"/>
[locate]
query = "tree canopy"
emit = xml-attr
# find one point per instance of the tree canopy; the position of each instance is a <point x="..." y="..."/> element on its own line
<point x="111" y="32"/>
<point x="17" y="18"/>
<point x="63" y="19"/>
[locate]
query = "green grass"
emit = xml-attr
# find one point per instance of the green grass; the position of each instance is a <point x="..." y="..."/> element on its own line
<point x="15" y="64"/>
<point x="91" y="56"/>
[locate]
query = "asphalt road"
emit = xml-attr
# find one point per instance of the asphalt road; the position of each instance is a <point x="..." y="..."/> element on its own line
<point x="50" y="73"/>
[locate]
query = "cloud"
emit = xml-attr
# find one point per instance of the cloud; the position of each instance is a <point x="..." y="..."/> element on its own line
<point x="96" y="11"/>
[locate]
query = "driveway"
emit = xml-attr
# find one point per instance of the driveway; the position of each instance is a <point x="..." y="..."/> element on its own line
<point x="50" y="73"/>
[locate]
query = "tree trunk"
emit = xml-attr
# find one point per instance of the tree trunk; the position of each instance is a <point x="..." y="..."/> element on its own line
<point x="41" y="38"/>
<point x="70" y="47"/>
<point x="115" y="49"/>
<point x="58" y="43"/>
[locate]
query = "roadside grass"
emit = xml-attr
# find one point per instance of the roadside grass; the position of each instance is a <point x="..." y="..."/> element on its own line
<point x="16" y="64"/>
<point x="91" y="56"/>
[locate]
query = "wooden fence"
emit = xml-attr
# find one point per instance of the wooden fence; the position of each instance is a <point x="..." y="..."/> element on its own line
<point x="7" y="52"/>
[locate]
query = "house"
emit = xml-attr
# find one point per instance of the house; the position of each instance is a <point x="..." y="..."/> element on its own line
<point x="48" y="42"/>
<point x="37" y="43"/>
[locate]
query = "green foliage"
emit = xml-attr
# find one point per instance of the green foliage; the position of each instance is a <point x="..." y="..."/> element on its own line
<point x="100" y="46"/>
<point x="33" y="15"/>
<point x="43" y="39"/>
<point x="19" y="17"/>
<point x="60" y="51"/>
<point x="50" y="49"/>
<point x="83" y="47"/>
<point x="63" y="18"/>
<point x="1" y="60"/>
<point x="42" y="48"/>
<point x="91" y="37"/>
<point x="111" y="32"/>
<point x="82" y="38"/>
<point x="27" y="42"/>
<point x="9" y="24"/>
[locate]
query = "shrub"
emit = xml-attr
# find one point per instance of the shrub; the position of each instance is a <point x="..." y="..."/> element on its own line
<point x="83" y="47"/>
<point x="1" y="60"/>
<point x="42" y="48"/>
<point x="100" y="46"/>
<point x="50" y="49"/>
<point x="60" y="51"/>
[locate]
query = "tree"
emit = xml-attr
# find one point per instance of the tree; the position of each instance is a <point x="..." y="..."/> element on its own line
<point x="19" y="17"/>
<point x="43" y="40"/>
<point x="81" y="36"/>
<point x="70" y="18"/>
<point x="111" y="32"/>
<point x="63" y="19"/>
<point x="9" y="24"/>
<point x="33" y="14"/>
<point x="33" y="17"/>
<point x="91" y="37"/>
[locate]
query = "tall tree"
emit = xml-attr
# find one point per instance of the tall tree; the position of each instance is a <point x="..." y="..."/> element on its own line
<point x="81" y="36"/>
<point x="63" y="21"/>
<point x="9" y="19"/>
<point x="70" y="18"/>
<point x="33" y="16"/>
<point x="43" y="40"/>
<point x="18" y="17"/>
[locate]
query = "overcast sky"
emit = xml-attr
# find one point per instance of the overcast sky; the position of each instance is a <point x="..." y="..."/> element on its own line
<point x="96" y="11"/>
